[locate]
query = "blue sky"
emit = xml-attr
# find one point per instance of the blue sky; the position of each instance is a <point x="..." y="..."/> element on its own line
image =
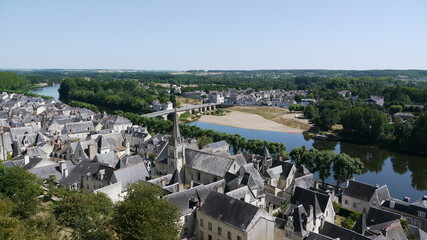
<point x="220" y="34"/>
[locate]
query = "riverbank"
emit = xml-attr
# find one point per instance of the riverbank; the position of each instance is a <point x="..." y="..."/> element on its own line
<point x="248" y="121"/>
<point x="259" y="118"/>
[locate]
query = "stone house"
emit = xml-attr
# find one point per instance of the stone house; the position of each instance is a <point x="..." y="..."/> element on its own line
<point x="360" y="196"/>
<point x="223" y="217"/>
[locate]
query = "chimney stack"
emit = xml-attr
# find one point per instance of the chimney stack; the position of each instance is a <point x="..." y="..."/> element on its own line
<point x="91" y="150"/>
<point x="127" y="146"/>
<point x="146" y="155"/>
<point x="26" y="159"/>
<point x="62" y="166"/>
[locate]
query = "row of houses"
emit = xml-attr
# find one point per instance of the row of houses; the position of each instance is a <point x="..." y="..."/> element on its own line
<point x="220" y="194"/>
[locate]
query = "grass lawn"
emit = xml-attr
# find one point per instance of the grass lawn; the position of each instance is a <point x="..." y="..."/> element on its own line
<point x="338" y="219"/>
<point x="187" y="101"/>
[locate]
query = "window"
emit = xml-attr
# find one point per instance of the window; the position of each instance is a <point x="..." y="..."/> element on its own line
<point x="354" y="204"/>
<point x="229" y="235"/>
<point x="219" y="231"/>
<point x="201" y="222"/>
<point x="201" y="235"/>
<point x="346" y="202"/>
<point x="210" y="226"/>
<point x="209" y="237"/>
<point x="421" y="214"/>
<point x="239" y="238"/>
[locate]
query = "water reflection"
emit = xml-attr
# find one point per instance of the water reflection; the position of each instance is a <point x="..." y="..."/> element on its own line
<point x="404" y="175"/>
<point x="325" y="145"/>
<point x="372" y="158"/>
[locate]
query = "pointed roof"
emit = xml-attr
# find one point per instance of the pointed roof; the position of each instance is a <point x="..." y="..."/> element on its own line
<point x="266" y="153"/>
<point x="176" y="134"/>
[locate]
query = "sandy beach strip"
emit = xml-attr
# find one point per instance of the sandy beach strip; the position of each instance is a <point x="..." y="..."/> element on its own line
<point x="248" y="121"/>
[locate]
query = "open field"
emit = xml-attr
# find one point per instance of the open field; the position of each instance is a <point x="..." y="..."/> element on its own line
<point x="184" y="101"/>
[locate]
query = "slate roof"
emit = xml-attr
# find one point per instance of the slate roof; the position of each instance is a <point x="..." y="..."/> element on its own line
<point x="84" y="168"/>
<point x="406" y="207"/>
<point x="228" y="210"/>
<point x="317" y="236"/>
<point x="108" y="158"/>
<point x="111" y="141"/>
<point x="308" y="197"/>
<point x="241" y="193"/>
<point x="359" y="190"/>
<point x="207" y="162"/>
<point x="127" y="160"/>
<point x="375" y="220"/>
<point x="334" y="231"/>
<point x="53" y="169"/>
<point x="132" y="174"/>
<point x="240" y="159"/>
<point x="216" y="146"/>
<point x="78" y="127"/>
<point x="159" y="181"/>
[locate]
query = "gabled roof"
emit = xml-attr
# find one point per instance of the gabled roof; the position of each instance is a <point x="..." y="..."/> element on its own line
<point x="335" y="231"/>
<point x="53" y="169"/>
<point x="406" y="207"/>
<point x="375" y="221"/>
<point x="78" y="127"/>
<point x="84" y="168"/>
<point x="132" y="174"/>
<point x="127" y="160"/>
<point x="207" y="162"/>
<point x="308" y="197"/>
<point x="359" y="190"/>
<point x="228" y="210"/>
<point x="111" y="141"/>
<point x="108" y="158"/>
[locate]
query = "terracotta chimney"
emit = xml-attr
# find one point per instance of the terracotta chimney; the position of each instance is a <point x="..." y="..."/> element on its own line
<point x="191" y="183"/>
<point x="180" y="187"/>
<point x="91" y="150"/>
<point x="146" y="155"/>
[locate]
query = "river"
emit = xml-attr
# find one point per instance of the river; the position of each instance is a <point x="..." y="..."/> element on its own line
<point x="51" y="91"/>
<point x="405" y="175"/>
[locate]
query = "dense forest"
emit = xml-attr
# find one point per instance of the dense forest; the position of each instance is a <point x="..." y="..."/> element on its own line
<point x="127" y="95"/>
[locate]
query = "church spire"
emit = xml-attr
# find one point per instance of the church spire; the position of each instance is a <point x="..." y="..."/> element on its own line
<point x="176" y="134"/>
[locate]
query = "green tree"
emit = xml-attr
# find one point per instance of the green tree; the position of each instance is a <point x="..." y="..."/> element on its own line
<point x="345" y="167"/>
<point x="88" y="215"/>
<point x="323" y="164"/>
<point x="203" y="141"/>
<point x="395" y="109"/>
<point x="22" y="188"/>
<point x="297" y="153"/>
<point x="145" y="215"/>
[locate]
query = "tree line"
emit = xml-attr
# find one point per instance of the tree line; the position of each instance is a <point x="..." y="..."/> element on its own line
<point x="236" y="141"/>
<point x="343" y="166"/>
<point x="74" y="214"/>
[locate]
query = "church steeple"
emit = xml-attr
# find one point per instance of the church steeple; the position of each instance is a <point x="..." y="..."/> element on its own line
<point x="176" y="134"/>
<point x="176" y="152"/>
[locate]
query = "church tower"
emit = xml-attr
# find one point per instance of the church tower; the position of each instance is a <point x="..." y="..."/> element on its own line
<point x="176" y="157"/>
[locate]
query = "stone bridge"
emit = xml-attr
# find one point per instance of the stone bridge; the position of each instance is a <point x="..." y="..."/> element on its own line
<point x="193" y="109"/>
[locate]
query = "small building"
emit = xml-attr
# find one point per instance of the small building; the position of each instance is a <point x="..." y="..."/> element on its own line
<point x="223" y="217"/>
<point x="415" y="213"/>
<point x="360" y="196"/>
<point x="376" y="100"/>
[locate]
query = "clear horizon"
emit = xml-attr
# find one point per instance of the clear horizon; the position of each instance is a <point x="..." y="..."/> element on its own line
<point x="222" y="35"/>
